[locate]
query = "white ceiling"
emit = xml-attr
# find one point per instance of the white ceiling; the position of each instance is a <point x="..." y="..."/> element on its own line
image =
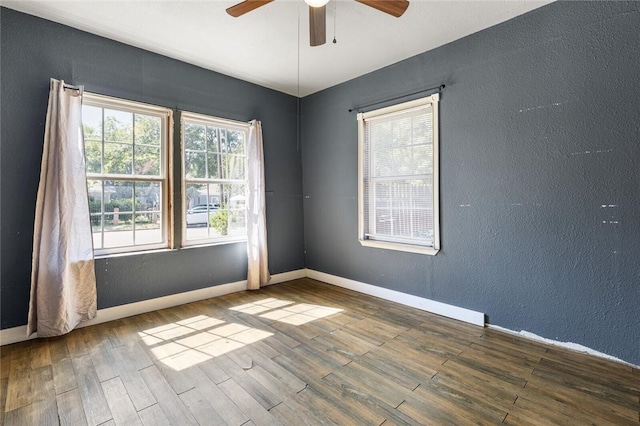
<point x="270" y="46"/>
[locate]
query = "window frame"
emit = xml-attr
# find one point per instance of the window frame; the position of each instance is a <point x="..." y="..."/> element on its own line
<point x="208" y="120"/>
<point x="402" y="108"/>
<point x="164" y="177"/>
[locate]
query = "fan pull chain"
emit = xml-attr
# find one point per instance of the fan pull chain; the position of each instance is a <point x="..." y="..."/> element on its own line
<point x="335" y="7"/>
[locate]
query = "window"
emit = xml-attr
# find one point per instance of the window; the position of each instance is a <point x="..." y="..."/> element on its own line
<point x="398" y="177"/>
<point x="128" y="153"/>
<point x="126" y="148"/>
<point x="214" y="167"/>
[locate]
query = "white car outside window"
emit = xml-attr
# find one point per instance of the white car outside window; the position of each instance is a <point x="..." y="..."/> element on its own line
<point x="199" y="215"/>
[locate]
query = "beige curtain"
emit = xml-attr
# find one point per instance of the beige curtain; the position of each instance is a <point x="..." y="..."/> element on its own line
<point x="258" y="273"/>
<point x="63" y="282"/>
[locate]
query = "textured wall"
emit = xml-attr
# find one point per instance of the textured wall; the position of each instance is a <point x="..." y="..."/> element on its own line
<point x="34" y="50"/>
<point x="540" y="176"/>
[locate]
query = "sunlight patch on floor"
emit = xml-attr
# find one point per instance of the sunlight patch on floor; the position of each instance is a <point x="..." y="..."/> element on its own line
<point x="286" y="311"/>
<point x="185" y="343"/>
<point x="261" y="305"/>
<point x="189" y="342"/>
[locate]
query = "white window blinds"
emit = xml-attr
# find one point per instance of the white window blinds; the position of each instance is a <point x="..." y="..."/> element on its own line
<point x="398" y="202"/>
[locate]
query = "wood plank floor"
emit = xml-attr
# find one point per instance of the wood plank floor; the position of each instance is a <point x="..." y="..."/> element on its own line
<point x="306" y="353"/>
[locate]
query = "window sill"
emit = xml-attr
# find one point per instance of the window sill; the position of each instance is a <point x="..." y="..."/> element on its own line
<point x="131" y="253"/>
<point x="212" y="243"/>
<point x="166" y="250"/>
<point x="399" y="247"/>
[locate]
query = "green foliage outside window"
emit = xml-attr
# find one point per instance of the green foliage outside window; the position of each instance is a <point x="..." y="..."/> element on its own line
<point x="220" y="221"/>
<point x="126" y="149"/>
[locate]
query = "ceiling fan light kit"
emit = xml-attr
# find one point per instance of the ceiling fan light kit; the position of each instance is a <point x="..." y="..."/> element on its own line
<point x="318" y="13"/>
<point x="316" y="3"/>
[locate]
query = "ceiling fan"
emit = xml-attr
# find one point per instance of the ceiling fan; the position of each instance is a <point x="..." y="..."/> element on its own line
<point x="318" y="13"/>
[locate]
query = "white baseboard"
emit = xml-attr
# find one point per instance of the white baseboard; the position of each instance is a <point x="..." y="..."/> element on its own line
<point x="439" y="308"/>
<point x="19" y="334"/>
<point x="287" y="276"/>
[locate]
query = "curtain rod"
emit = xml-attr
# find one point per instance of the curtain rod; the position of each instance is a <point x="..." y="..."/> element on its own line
<point x="358" y="108"/>
<point x="71" y="87"/>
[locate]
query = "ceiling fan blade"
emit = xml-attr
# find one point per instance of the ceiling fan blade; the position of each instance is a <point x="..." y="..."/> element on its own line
<point x="245" y="7"/>
<point x="317" y="25"/>
<point x="392" y="7"/>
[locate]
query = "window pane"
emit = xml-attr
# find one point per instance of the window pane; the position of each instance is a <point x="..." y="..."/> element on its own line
<point x="236" y="142"/>
<point x="381" y="136"/>
<point x="382" y="222"/>
<point x="198" y="210"/>
<point x="236" y="196"/>
<point x="118" y="158"/>
<point x="230" y="219"/>
<point x="148" y="232"/>
<point x="196" y="194"/>
<point x="118" y="199"/>
<point x="422" y="159"/>
<point x="94" y="188"/>
<point x="383" y="163"/>
<point x="212" y="139"/>
<point x="117" y="232"/>
<point x="223" y="215"/>
<point x="217" y="223"/>
<point x="118" y="217"/>
<point x="222" y="138"/>
<point x="234" y="166"/>
<point x="401" y="132"/>
<point x="148" y="130"/>
<point x="402" y="162"/>
<point x="118" y="126"/>
<point x="399" y="161"/>
<point x="197" y="232"/>
<point x="421" y="194"/>
<point x="148" y="196"/>
<point x="194" y="135"/>
<point x="422" y="129"/>
<point x="92" y="123"/>
<point x="96" y="229"/>
<point x="148" y="213"/>
<point x="93" y="154"/>
<point x="237" y="221"/>
<point x="215" y="192"/>
<point x="423" y="224"/>
<point x="382" y="195"/>
<point x="401" y="222"/>
<point x="213" y="166"/>
<point x="147" y="160"/>
<point x="195" y="164"/>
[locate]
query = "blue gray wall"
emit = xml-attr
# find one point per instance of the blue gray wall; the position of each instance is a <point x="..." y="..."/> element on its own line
<point x="34" y="50"/>
<point x="540" y="176"/>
